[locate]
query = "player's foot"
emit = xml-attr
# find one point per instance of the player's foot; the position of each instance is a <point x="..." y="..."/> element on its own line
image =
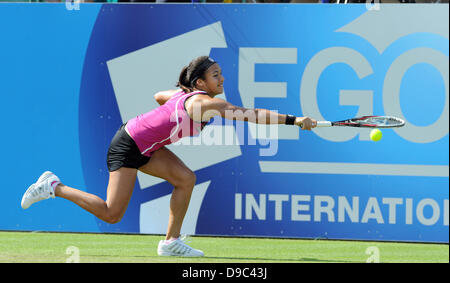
<point x="42" y="189"/>
<point x="177" y="248"/>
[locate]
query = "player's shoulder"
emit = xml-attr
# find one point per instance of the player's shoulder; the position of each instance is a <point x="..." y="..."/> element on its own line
<point x="205" y="99"/>
<point x="200" y="97"/>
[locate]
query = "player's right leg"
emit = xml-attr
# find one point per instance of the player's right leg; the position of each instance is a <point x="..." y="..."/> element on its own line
<point x="123" y="159"/>
<point x="119" y="191"/>
<point x="118" y="194"/>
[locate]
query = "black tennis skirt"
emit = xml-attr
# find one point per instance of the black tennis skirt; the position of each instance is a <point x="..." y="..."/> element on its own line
<point x="123" y="152"/>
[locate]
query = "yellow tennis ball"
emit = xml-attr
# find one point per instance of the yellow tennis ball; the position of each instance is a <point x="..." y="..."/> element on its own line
<point x="376" y="135"/>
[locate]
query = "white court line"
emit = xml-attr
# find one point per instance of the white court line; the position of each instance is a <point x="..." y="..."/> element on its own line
<point x="354" y="168"/>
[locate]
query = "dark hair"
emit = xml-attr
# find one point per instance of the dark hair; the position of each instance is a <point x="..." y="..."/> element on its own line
<point x="194" y="71"/>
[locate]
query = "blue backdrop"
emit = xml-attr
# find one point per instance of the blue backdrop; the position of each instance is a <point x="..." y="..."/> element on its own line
<point x="70" y="76"/>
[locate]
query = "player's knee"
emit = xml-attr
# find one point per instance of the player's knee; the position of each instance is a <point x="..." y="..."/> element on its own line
<point x="113" y="220"/>
<point x="186" y="179"/>
<point x="113" y="217"/>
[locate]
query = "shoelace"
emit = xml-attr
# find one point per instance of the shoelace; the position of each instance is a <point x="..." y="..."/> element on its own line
<point x="35" y="191"/>
<point x="182" y="248"/>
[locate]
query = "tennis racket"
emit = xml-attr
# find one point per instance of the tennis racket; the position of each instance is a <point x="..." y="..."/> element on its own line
<point x="366" y="122"/>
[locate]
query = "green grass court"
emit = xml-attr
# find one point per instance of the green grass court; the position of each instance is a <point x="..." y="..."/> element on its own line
<point x="105" y="248"/>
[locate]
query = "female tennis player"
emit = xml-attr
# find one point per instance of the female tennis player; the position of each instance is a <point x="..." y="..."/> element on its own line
<point x="139" y="144"/>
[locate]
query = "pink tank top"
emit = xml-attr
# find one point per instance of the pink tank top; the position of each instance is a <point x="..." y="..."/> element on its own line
<point x="164" y="125"/>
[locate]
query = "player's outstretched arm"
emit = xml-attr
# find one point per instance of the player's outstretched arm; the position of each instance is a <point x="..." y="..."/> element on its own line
<point x="210" y="107"/>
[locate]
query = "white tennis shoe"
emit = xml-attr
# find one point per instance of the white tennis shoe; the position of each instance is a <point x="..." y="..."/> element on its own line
<point x="42" y="189"/>
<point x="178" y="247"/>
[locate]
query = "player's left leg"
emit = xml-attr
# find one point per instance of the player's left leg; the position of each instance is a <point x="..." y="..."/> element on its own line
<point x="164" y="164"/>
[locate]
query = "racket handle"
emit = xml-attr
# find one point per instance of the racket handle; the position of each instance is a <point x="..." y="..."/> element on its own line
<point x="321" y="124"/>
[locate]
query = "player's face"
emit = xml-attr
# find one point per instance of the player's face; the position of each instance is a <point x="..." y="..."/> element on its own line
<point x="213" y="82"/>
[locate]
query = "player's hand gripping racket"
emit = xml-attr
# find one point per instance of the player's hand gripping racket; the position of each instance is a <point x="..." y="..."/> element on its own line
<point x="366" y="122"/>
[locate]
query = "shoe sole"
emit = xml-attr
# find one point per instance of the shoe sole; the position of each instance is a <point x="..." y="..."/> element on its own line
<point x="23" y="197"/>
<point x="165" y="253"/>
<point x="170" y="254"/>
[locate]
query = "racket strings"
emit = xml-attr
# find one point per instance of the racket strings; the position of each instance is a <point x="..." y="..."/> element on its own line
<point x="382" y="121"/>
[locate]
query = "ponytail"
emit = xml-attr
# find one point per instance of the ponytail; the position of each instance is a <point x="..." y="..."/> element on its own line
<point x="183" y="80"/>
